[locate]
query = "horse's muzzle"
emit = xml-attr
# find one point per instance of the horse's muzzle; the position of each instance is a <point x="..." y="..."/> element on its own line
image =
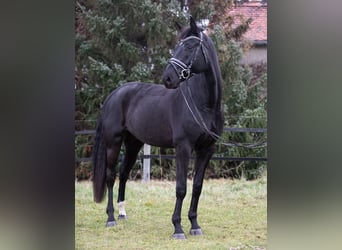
<point x="168" y="83"/>
<point x="170" y="79"/>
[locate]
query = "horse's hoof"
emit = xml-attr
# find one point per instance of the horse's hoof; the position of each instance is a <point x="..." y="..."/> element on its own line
<point x="111" y="223"/>
<point x="197" y="231"/>
<point x="122" y="217"/>
<point x="179" y="236"/>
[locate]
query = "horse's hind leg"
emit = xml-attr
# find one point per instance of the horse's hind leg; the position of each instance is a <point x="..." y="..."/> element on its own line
<point x="202" y="159"/>
<point x="132" y="147"/>
<point x="112" y="156"/>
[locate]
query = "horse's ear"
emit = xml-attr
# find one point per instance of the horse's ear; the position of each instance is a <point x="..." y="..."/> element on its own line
<point x="178" y="26"/>
<point x="193" y="26"/>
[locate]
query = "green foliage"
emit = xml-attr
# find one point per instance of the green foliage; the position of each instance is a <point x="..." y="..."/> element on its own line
<point x="117" y="42"/>
<point x="121" y="41"/>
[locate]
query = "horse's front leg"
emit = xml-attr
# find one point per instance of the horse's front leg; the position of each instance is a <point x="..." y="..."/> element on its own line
<point x="183" y="152"/>
<point x="202" y="159"/>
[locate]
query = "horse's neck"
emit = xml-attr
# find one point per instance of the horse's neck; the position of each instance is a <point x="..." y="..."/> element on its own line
<point x="214" y="87"/>
<point x="211" y="87"/>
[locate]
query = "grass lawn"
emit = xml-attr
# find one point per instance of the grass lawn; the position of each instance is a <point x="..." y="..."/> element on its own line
<point x="232" y="215"/>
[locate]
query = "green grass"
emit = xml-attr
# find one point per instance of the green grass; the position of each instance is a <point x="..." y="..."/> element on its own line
<point x="232" y="215"/>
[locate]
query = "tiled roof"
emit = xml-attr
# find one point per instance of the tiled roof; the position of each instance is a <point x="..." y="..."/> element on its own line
<point x="258" y="12"/>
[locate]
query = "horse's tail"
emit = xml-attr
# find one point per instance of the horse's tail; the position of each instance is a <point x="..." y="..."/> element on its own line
<point x="99" y="164"/>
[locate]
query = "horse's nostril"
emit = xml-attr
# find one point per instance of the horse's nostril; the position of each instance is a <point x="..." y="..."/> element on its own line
<point x="167" y="81"/>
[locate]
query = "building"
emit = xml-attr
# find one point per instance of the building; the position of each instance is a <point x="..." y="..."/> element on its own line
<point x="257" y="32"/>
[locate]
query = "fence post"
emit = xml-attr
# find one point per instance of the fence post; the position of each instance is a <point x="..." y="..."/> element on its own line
<point x="146" y="163"/>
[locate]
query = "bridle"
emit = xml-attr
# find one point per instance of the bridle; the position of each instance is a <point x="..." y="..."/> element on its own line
<point x="185" y="70"/>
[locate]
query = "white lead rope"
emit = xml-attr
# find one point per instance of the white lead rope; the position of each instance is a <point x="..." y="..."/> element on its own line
<point x="203" y="125"/>
<point x="211" y="133"/>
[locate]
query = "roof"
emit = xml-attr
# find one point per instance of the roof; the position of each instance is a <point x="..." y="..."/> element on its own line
<point x="256" y="10"/>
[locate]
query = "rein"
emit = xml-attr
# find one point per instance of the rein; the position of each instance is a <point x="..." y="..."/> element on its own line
<point x="185" y="72"/>
<point x="202" y="124"/>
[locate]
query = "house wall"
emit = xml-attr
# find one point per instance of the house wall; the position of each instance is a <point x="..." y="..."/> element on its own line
<point x="255" y="55"/>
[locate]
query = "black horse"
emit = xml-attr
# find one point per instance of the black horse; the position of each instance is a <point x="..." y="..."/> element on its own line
<point x="186" y="115"/>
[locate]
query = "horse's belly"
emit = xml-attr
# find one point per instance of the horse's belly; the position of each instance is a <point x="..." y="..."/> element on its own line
<point x="159" y="142"/>
<point x="153" y="136"/>
<point x="151" y="128"/>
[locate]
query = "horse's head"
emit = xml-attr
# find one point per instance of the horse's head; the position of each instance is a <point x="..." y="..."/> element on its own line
<point x="189" y="57"/>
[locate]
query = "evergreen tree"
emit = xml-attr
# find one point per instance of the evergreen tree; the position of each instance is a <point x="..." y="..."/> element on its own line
<point x="120" y="41"/>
